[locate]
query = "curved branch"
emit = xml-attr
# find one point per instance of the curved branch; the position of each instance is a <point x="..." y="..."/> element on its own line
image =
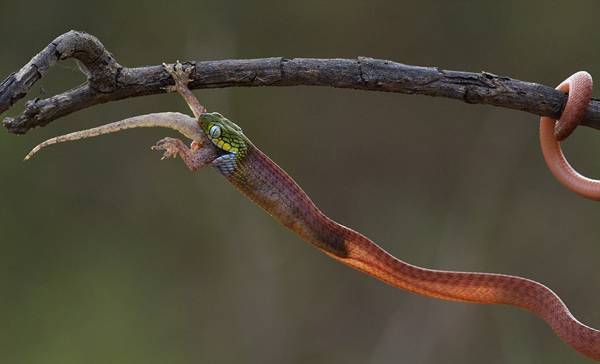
<point x="109" y="81"/>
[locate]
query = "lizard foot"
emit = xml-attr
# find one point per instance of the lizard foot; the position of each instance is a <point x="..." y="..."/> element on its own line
<point x="195" y="157"/>
<point x="171" y="147"/>
<point x="181" y="75"/>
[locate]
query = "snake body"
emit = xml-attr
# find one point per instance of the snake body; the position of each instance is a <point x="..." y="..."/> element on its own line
<point x="552" y="132"/>
<point x="222" y="144"/>
<point x="269" y="186"/>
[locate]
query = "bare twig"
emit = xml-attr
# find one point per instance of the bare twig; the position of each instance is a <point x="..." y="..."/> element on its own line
<point x="109" y="81"/>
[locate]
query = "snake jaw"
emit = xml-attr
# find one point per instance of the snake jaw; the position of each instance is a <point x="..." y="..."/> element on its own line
<point x="226" y="163"/>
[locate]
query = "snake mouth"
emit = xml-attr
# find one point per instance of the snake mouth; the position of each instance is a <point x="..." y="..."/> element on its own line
<point x="221" y="152"/>
<point x="218" y="150"/>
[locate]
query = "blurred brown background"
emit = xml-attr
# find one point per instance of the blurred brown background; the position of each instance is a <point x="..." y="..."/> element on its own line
<point x="111" y="256"/>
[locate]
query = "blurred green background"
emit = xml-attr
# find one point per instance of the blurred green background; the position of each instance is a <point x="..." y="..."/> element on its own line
<point x="111" y="256"/>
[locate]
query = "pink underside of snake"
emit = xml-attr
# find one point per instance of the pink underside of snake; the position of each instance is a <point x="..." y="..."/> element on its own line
<point x="579" y="87"/>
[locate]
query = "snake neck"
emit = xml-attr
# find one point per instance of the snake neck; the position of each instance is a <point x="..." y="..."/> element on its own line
<point x="270" y="187"/>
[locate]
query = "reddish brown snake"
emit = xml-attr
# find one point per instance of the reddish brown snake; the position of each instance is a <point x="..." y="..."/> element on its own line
<point x="265" y="183"/>
<point x="579" y="87"/>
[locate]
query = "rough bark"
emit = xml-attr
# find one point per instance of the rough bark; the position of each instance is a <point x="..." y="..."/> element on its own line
<point x="107" y="81"/>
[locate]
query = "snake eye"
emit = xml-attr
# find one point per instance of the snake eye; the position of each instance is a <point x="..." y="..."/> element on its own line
<point x="214" y="131"/>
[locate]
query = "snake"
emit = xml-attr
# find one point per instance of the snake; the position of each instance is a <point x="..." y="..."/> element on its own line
<point x="552" y="132"/>
<point x="221" y="143"/>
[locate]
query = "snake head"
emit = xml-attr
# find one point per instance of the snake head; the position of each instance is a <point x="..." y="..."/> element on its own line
<point x="224" y="134"/>
<point x="228" y="138"/>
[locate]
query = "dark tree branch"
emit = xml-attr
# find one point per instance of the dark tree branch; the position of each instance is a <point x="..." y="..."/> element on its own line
<point x="109" y="81"/>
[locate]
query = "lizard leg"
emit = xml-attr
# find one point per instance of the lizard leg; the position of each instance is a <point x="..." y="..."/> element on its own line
<point x="181" y="76"/>
<point x="195" y="157"/>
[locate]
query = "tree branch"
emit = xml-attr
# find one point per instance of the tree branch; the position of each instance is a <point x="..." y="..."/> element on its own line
<point x="108" y="81"/>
